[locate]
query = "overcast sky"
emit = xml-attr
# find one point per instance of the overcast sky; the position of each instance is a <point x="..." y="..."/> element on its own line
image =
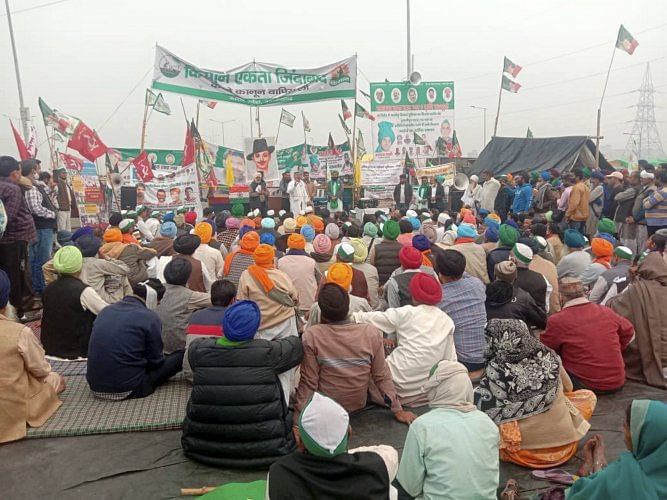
<point x="84" y="57"/>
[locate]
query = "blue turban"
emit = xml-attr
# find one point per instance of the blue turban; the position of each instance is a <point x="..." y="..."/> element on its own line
<point x="574" y="239"/>
<point x="245" y="229"/>
<point x="421" y="243"/>
<point x="267" y="239"/>
<point x="168" y="217"/>
<point x="491" y="234"/>
<point x="386" y="129"/>
<point x="241" y="321"/>
<point x="483" y="212"/>
<point x="608" y="237"/>
<point x="546" y="176"/>
<point x="308" y="232"/>
<point x="268" y="223"/>
<point x="4" y="289"/>
<point x="490" y="222"/>
<point x="512" y="223"/>
<point x="168" y="229"/>
<point x="415" y="223"/>
<point x="83" y="231"/>
<point x="466" y="231"/>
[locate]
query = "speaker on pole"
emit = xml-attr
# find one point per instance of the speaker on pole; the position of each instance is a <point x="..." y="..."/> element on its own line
<point x="128" y="197"/>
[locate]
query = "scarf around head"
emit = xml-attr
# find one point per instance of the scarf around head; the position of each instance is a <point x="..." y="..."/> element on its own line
<point x="449" y="386"/>
<point x="522" y="374"/>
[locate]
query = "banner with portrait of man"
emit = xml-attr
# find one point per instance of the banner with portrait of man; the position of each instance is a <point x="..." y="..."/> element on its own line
<point x="412" y="119"/>
<point x="260" y="155"/>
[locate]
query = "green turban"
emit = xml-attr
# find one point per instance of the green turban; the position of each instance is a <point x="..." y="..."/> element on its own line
<point x="391" y="229"/>
<point x="587" y="172"/>
<point x="606" y="226"/>
<point x="237" y="210"/>
<point x="440" y="178"/>
<point x="181" y="210"/>
<point x="508" y="235"/>
<point x="131" y="214"/>
<point x="370" y="229"/>
<point x="68" y="260"/>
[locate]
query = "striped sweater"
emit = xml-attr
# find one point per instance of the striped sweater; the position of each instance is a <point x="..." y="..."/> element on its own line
<point x="656" y="208"/>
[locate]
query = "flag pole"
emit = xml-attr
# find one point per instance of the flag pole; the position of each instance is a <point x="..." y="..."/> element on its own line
<point x="143" y="125"/>
<point x="49" y="139"/>
<point x="604" y="90"/>
<point x="197" y="119"/>
<point x="259" y="123"/>
<point x="355" y="197"/>
<point x="500" y="96"/>
<point x="279" y="123"/>
<point x="252" y="132"/>
<point x="185" y="115"/>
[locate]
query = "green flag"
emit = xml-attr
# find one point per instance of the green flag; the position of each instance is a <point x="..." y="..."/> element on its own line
<point x="625" y="41"/>
<point x="511" y="68"/>
<point x="529" y="133"/>
<point x="361" y="148"/>
<point x="510" y="86"/>
<point x="65" y="124"/>
<point x="161" y="105"/>
<point x="418" y="140"/>
<point x="150" y="98"/>
<point x="344" y="125"/>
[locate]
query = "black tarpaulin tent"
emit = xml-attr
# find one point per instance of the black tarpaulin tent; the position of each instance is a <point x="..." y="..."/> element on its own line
<point x="505" y="155"/>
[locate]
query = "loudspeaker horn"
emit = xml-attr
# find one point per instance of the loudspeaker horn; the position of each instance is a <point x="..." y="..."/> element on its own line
<point x="415" y="78"/>
<point x="461" y="181"/>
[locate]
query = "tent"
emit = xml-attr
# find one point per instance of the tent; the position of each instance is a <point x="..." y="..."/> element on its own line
<point x="520" y="154"/>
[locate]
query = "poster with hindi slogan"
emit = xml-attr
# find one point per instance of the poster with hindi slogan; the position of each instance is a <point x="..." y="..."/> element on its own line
<point x="319" y="161"/>
<point x="255" y="83"/>
<point x="88" y="194"/>
<point x="412" y="119"/>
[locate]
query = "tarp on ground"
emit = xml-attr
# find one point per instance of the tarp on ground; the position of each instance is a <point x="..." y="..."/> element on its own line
<point x="505" y="155"/>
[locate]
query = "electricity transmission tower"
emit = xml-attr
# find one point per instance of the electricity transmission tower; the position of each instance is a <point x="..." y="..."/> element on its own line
<point x="644" y="141"/>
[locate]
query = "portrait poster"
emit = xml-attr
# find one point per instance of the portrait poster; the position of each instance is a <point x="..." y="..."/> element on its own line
<point x="260" y="155"/>
<point x="88" y="194"/>
<point x="412" y="119"/>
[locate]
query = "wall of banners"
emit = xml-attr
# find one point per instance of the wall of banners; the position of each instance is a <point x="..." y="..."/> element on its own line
<point x="412" y="119"/>
<point x="255" y="84"/>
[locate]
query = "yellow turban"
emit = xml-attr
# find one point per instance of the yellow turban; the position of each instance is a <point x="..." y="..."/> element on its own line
<point x="301" y="221"/>
<point x="341" y="274"/>
<point x="360" y="250"/>
<point x="112" y="234"/>
<point x="205" y="232"/>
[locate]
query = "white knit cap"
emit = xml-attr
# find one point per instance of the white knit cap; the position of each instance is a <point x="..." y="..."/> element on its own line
<point x="474" y="178"/>
<point x="411" y="213"/>
<point x="646" y="175"/>
<point x="522" y="254"/>
<point x="323" y="426"/>
<point x="443" y="218"/>
<point x="309" y="210"/>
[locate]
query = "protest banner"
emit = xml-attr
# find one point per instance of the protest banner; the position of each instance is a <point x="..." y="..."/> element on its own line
<point x="319" y="161"/>
<point x="412" y="119"/>
<point x="255" y="84"/>
<point x="88" y="194"/>
<point x="380" y="172"/>
<point x="447" y="170"/>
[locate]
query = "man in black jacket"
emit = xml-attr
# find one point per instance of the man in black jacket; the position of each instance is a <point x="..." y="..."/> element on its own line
<point x="237" y="415"/>
<point x="403" y="193"/>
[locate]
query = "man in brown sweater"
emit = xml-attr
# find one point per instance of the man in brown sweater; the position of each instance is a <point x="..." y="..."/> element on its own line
<point x="577" y="206"/>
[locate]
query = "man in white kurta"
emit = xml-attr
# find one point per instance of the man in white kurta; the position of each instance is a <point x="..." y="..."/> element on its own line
<point x="298" y="195"/>
<point x="424" y="336"/>
<point x="487" y="197"/>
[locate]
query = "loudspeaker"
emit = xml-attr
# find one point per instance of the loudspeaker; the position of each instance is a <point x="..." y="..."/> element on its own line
<point x="128" y="197"/>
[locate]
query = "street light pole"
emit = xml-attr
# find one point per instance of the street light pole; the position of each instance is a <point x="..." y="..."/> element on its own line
<point x="222" y="126"/>
<point x="25" y="112"/>
<point x="409" y="55"/>
<point x="483" y="109"/>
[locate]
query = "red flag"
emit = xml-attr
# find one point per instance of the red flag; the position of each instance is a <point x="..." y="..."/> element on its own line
<point x="347" y="114"/>
<point x="87" y="142"/>
<point x="143" y="167"/>
<point x="71" y="162"/>
<point x="212" y="178"/>
<point x="189" y="148"/>
<point x="23" y="150"/>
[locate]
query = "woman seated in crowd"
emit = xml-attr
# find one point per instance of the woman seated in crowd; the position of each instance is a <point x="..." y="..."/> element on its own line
<point x="527" y="393"/>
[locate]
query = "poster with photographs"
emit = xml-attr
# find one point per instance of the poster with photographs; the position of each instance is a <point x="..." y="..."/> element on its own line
<point x="319" y="161"/>
<point x="88" y="194"/>
<point x="260" y="155"/>
<point x="412" y="119"/>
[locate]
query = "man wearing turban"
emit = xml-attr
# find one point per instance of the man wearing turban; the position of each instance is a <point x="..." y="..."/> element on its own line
<point x="384" y="255"/>
<point x="210" y="258"/>
<point x="238" y="261"/>
<point x="254" y="409"/>
<point x="302" y="269"/>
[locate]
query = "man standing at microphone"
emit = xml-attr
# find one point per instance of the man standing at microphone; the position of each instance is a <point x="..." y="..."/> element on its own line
<point x="298" y="195"/>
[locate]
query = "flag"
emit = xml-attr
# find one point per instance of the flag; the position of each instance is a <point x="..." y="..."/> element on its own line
<point x="529" y="133"/>
<point x="209" y="104"/>
<point x="456" y="147"/>
<point x="143" y="167"/>
<point x="87" y="142"/>
<point x="511" y="68"/>
<point x="330" y="143"/>
<point x="32" y="141"/>
<point x="407" y="162"/>
<point x="418" y="140"/>
<point x="20" y="144"/>
<point x="357" y="171"/>
<point x="189" y="147"/>
<point x="109" y="167"/>
<point x="63" y="123"/>
<point x="204" y="163"/>
<point x="344" y="125"/>
<point x="150" y="98"/>
<point x="71" y="162"/>
<point x="361" y="112"/>
<point x="510" y="86"/>
<point x="366" y="95"/>
<point x="347" y="114"/>
<point x="625" y="40"/>
<point x="361" y="148"/>
<point x="306" y="123"/>
<point x="229" y="171"/>
<point x="287" y="118"/>
<point x="161" y="105"/>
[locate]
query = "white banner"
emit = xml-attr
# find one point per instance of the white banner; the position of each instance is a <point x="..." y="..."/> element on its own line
<point x="380" y="173"/>
<point x="255" y="84"/>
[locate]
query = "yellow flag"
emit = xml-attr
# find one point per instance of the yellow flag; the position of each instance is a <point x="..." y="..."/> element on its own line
<point x="229" y="171"/>
<point x="357" y="172"/>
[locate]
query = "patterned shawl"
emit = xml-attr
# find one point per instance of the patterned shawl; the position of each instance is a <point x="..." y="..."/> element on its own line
<point x="522" y="374"/>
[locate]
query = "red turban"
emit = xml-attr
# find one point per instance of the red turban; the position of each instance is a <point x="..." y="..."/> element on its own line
<point x="425" y="289"/>
<point x="410" y="257"/>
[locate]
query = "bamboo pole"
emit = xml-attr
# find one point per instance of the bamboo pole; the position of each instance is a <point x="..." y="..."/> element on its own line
<point x="604" y="90"/>
<point x="500" y="96"/>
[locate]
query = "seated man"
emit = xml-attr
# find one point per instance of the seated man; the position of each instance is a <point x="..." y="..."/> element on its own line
<point x="614" y="278"/>
<point x="576" y="260"/>
<point x="424" y="336"/>
<point x="178" y="303"/>
<point x="237" y="415"/>
<point x="589" y="339"/>
<point x="463" y="298"/>
<point x="397" y="288"/>
<point x="345" y="360"/>
<point x="323" y="468"/>
<point x="70" y="308"/>
<point x="505" y="301"/>
<point x="29" y="387"/>
<point x="451" y="451"/>
<point x="210" y="258"/>
<point x="208" y="322"/>
<point x="533" y="283"/>
<point x="125" y="359"/>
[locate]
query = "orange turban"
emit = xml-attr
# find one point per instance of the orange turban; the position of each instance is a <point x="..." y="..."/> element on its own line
<point x="250" y="241"/>
<point x="205" y="232"/>
<point x="318" y="225"/>
<point x="247" y="222"/>
<point x="301" y="221"/>
<point x="264" y="256"/>
<point x="128" y="238"/>
<point x="464" y="212"/>
<point x="494" y="217"/>
<point x="112" y="235"/>
<point x="341" y="274"/>
<point x="296" y="241"/>
<point x="601" y="247"/>
<point x="258" y="222"/>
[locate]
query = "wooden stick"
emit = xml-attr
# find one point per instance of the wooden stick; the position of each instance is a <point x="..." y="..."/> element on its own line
<point x="193" y="492"/>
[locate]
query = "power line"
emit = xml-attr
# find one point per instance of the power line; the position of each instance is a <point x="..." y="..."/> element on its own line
<point x="28" y="9"/>
<point x="125" y="99"/>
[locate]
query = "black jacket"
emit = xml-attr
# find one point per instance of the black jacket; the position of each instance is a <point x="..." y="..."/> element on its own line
<point x="237" y="416"/>
<point x="408" y="193"/>
<point x="496" y="256"/>
<point x="503" y="301"/>
<point x="533" y="283"/>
